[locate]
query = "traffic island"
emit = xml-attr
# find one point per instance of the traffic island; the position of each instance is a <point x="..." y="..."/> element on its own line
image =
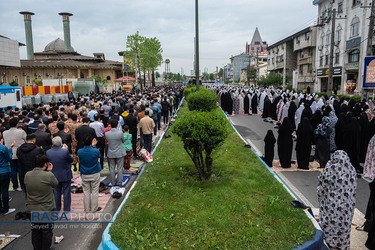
<point x="241" y="206"/>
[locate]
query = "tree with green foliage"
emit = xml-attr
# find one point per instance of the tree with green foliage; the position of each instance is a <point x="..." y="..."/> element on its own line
<point x="143" y="55"/>
<point x="133" y="46"/>
<point x="38" y="82"/>
<point x="201" y="134"/>
<point x="98" y="79"/>
<point x="271" y="79"/>
<point x="13" y="83"/>
<point x="151" y="56"/>
<point x="251" y="74"/>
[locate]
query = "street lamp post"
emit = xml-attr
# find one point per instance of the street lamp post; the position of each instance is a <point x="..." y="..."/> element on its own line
<point x="196" y="46"/>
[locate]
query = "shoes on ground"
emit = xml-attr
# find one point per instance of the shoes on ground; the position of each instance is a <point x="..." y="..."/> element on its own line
<point x="10" y="210"/>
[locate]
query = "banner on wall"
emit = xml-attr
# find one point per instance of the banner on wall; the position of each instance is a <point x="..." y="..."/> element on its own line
<point x="369" y="72"/>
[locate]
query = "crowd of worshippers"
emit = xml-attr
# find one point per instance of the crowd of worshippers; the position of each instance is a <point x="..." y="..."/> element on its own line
<point x="33" y="127"/>
<point x="324" y="123"/>
<point x="40" y="144"/>
<point x="342" y="132"/>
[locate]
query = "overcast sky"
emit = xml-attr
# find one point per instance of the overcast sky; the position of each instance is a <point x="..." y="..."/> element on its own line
<point x="102" y="26"/>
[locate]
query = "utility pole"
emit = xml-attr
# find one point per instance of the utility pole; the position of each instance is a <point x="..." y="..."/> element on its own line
<point x="196" y="46"/>
<point x="370" y="34"/>
<point x="331" y="53"/>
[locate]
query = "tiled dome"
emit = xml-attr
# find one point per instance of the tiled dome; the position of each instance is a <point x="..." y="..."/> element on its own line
<point x="56" y="45"/>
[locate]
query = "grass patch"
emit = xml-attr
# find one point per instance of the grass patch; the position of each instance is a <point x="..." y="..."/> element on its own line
<point x="242" y="206"/>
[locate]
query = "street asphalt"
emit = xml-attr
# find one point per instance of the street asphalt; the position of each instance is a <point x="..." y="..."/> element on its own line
<point x="302" y="183"/>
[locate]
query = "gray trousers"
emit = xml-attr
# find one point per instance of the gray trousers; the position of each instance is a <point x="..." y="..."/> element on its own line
<point x="90" y="186"/>
<point x="112" y="170"/>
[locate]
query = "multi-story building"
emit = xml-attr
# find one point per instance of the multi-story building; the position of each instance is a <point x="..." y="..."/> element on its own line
<point x="282" y="59"/>
<point x="294" y="58"/>
<point x="305" y="49"/>
<point x="237" y="63"/>
<point x="257" y="46"/>
<point x="350" y="44"/>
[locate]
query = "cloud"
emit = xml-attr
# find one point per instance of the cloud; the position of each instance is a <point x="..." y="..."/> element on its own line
<point x="102" y="26"/>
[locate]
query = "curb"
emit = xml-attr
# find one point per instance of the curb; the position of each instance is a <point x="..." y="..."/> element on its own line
<point x="106" y="243"/>
<point x="317" y="242"/>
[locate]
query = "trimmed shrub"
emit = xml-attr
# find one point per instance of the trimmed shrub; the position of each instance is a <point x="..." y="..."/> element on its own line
<point x="201" y="133"/>
<point x="203" y="100"/>
<point x="188" y="91"/>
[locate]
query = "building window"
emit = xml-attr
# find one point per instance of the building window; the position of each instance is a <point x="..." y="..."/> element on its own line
<point x="282" y="58"/>
<point x="340" y="7"/>
<point x="354" y="27"/>
<point x="273" y="60"/>
<point x="338" y="33"/>
<point x="28" y="80"/>
<point x="15" y="78"/>
<point x="337" y="56"/>
<point x="311" y="51"/>
<point x="301" y="54"/>
<point x="297" y="40"/>
<point x="307" y="36"/>
<point x="309" y="67"/>
<point x="354" y="56"/>
<point x="356" y="2"/>
<point x="327" y="59"/>
<point x="301" y="69"/>
<point x="321" y="61"/>
<point x="4" y="79"/>
<point x="322" y="39"/>
<point x="108" y="78"/>
<point x="328" y="38"/>
<point x="82" y="75"/>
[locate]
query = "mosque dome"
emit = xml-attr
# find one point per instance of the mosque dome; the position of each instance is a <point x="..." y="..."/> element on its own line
<point x="56" y="45"/>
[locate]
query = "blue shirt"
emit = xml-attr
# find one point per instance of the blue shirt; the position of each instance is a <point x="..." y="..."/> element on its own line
<point x="158" y="105"/>
<point x="5" y="158"/>
<point x="91" y="114"/>
<point x="88" y="160"/>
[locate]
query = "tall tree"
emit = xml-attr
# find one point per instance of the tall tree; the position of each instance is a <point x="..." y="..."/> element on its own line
<point x="133" y="45"/>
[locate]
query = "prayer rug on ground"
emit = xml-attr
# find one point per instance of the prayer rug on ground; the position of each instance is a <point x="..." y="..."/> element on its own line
<point x="6" y="240"/>
<point x="125" y="180"/>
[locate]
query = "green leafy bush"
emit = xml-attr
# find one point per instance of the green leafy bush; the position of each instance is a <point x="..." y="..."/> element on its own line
<point x="201" y="133"/>
<point x="13" y="83"/>
<point x="188" y="91"/>
<point x="320" y="94"/>
<point x="203" y="100"/>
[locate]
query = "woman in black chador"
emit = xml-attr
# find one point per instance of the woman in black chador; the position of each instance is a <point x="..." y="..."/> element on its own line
<point x="254" y="104"/>
<point x="266" y="108"/>
<point x="305" y="134"/>
<point x="246" y="104"/>
<point x="291" y="113"/>
<point x="285" y="143"/>
<point x="269" y="145"/>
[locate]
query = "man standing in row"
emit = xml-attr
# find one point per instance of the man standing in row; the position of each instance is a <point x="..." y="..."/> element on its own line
<point x="62" y="160"/>
<point x="116" y="152"/>
<point x="19" y="136"/>
<point x="147" y="125"/>
<point x="40" y="183"/>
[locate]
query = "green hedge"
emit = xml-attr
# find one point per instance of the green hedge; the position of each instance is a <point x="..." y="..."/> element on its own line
<point x="203" y="100"/>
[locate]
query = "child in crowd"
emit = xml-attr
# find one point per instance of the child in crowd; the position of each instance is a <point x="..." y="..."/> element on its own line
<point x="128" y="147"/>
